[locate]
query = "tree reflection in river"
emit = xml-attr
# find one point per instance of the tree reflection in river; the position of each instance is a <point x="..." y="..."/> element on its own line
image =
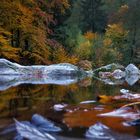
<point x="27" y="99"/>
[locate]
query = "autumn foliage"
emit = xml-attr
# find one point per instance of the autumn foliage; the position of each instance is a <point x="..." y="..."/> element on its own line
<point x="55" y="31"/>
<point x="26" y="27"/>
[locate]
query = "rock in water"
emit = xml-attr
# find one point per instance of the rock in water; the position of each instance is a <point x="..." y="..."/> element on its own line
<point x="100" y="131"/>
<point x="132" y="74"/>
<point x="31" y="132"/>
<point x="132" y="69"/>
<point x="131" y="79"/>
<point x="43" y="124"/>
<point x="9" y="68"/>
<point x="13" y="74"/>
<point x="116" y="74"/>
<point x="132" y="123"/>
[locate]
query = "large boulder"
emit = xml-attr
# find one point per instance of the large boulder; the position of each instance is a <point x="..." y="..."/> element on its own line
<point x="13" y="74"/>
<point x="9" y="68"/>
<point x="132" y="69"/>
<point x="117" y="74"/>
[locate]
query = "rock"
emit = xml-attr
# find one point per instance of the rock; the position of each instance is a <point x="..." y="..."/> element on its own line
<point x="132" y="123"/>
<point x="100" y="131"/>
<point x="104" y="74"/>
<point x="124" y="91"/>
<point x="36" y="129"/>
<point x="132" y="69"/>
<point x="85" y="64"/>
<point x="109" y="68"/>
<point x="31" y="132"/>
<point x="43" y="124"/>
<point x="13" y="74"/>
<point x="131" y="79"/>
<point x="59" y="107"/>
<point x="9" y="68"/>
<point x="118" y="74"/>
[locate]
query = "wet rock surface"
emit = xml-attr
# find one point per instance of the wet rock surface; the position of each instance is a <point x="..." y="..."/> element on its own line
<point x="64" y="73"/>
<point x="9" y="68"/>
<point x="100" y="131"/>
<point x="13" y="74"/>
<point x="114" y="74"/>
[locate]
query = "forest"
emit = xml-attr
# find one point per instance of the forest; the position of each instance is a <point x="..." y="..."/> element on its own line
<point x="70" y="69"/>
<point x="56" y="31"/>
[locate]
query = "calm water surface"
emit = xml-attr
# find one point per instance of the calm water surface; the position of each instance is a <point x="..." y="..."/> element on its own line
<point x="22" y="101"/>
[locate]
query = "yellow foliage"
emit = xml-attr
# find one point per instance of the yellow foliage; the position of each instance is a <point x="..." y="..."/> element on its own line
<point x="90" y="35"/>
<point x="107" y="42"/>
<point x="61" y="4"/>
<point x="85" y="44"/>
<point x="9" y="52"/>
<point x="6" y="50"/>
<point x="116" y="31"/>
<point x="84" y="50"/>
<point x="24" y="17"/>
<point x="4" y="37"/>
<point x="60" y="56"/>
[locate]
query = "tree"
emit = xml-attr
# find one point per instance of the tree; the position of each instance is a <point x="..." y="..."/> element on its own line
<point x="127" y="12"/>
<point x="7" y="51"/>
<point x="29" y="22"/>
<point x="94" y="17"/>
<point x="132" y="23"/>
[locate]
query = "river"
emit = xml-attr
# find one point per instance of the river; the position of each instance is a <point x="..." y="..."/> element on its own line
<point x="25" y="100"/>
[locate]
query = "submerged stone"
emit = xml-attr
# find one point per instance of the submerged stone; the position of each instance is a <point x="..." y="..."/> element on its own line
<point x="59" y="107"/>
<point x="133" y="123"/>
<point x="100" y="131"/>
<point x="37" y="129"/>
<point x="27" y="130"/>
<point x="43" y="124"/>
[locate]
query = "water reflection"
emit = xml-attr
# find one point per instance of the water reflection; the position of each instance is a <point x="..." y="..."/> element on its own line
<point x="130" y="79"/>
<point x="24" y="100"/>
<point x="15" y="80"/>
<point x="7" y="81"/>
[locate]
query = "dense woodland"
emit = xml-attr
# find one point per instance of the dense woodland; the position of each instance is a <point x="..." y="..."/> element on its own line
<point x="55" y="31"/>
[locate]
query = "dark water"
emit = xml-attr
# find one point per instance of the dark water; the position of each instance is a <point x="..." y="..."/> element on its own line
<point x="22" y="101"/>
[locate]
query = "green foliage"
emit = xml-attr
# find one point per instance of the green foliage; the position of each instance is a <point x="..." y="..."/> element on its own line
<point x="83" y="48"/>
<point x="93" y="16"/>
